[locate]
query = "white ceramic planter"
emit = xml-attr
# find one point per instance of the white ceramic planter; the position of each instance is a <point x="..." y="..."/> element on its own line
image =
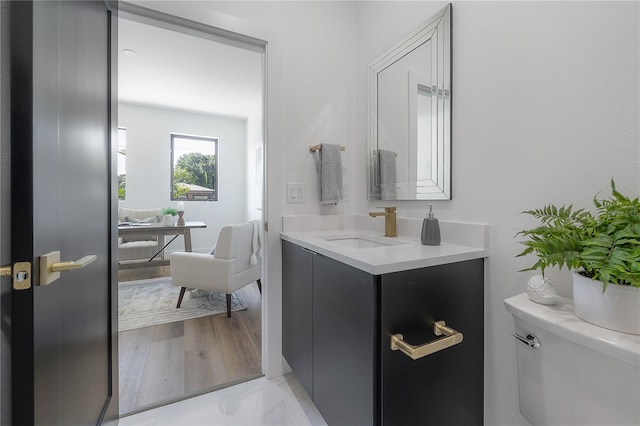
<point x="618" y="308"/>
<point x="167" y="220"/>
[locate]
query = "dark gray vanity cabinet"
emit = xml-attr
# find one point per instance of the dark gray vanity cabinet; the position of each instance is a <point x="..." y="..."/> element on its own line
<point x="446" y="387"/>
<point x="328" y="320"/>
<point x="337" y="324"/>
<point x="344" y="343"/>
<point x="296" y="313"/>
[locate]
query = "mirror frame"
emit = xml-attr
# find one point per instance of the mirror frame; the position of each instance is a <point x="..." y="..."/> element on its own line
<point x="437" y="29"/>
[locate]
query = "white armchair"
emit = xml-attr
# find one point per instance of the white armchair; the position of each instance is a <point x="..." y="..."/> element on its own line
<point x="235" y="263"/>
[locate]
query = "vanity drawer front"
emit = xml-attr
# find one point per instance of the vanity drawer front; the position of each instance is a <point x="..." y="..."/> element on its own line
<point x="445" y="387"/>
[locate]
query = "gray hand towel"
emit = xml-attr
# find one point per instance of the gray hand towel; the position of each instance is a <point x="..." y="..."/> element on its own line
<point x="330" y="174"/>
<point x="387" y="169"/>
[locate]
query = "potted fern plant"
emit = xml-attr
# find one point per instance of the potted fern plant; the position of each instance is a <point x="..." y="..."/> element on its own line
<point x="602" y="250"/>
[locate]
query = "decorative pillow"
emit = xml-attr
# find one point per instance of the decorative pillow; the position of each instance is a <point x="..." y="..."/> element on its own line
<point x="150" y="219"/>
<point x="131" y="238"/>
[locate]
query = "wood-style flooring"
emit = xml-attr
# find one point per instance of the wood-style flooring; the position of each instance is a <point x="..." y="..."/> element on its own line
<point x="168" y="362"/>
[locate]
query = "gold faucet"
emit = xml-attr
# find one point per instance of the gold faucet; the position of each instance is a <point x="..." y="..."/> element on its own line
<point x="389" y="221"/>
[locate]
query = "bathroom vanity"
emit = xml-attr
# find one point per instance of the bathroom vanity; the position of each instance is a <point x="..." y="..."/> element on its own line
<point x="345" y="295"/>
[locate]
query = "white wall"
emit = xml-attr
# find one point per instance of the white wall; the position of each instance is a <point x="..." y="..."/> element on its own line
<point x="255" y="166"/>
<point x="318" y="98"/>
<point x="148" y="166"/>
<point x="545" y="109"/>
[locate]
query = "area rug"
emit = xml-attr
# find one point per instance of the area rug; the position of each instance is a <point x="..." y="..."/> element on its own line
<point x="151" y="302"/>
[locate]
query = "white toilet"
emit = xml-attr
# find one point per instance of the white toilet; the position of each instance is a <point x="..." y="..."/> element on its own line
<point x="571" y="372"/>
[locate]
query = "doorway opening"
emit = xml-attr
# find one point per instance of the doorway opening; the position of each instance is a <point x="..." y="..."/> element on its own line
<point x="176" y="77"/>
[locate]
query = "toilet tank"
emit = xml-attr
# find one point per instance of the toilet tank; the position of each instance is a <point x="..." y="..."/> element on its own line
<point x="571" y="372"/>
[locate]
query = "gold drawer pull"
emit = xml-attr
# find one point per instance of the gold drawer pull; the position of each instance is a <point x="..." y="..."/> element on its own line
<point x="414" y="352"/>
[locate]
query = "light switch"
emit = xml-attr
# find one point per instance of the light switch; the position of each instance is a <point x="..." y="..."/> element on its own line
<point x="296" y="193"/>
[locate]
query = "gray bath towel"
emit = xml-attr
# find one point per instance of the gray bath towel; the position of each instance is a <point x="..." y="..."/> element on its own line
<point x="330" y="174"/>
<point x="387" y="167"/>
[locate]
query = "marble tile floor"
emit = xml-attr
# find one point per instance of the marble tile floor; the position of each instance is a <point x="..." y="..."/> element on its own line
<point x="280" y="401"/>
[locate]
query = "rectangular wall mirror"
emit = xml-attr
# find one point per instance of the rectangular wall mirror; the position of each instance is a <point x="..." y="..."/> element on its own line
<point x="409" y="108"/>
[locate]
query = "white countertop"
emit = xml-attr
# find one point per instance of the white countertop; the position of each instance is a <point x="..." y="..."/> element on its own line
<point x="403" y="254"/>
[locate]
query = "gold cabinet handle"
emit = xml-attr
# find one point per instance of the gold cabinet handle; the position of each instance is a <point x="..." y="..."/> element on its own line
<point x="51" y="266"/>
<point x="414" y="352"/>
<point x="70" y="265"/>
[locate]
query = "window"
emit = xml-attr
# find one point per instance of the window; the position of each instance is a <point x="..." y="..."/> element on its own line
<point x="194" y="168"/>
<point x="122" y="161"/>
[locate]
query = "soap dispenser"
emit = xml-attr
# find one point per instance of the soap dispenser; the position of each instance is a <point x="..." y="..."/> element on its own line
<point x="430" y="230"/>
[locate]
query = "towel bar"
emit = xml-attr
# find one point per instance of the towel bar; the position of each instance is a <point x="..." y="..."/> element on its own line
<point x="375" y="152"/>
<point x="314" y="148"/>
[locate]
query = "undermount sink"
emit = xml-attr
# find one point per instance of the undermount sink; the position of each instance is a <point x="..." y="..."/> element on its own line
<point x="357" y="242"/>
<point x="362" y="241"/>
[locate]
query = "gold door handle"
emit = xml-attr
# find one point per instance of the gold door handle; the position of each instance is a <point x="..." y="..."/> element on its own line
<point x="414" y="352"/>
<point x="51" y="266"/>
<point x="70" y="265"/>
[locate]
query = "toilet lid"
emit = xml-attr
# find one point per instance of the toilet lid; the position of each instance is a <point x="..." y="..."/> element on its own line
<point x="560" y="320"/>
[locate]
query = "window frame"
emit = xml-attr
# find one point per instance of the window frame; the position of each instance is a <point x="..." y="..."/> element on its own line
<point x="216" y="181"/>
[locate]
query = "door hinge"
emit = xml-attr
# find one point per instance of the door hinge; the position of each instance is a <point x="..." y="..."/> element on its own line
<point x="266" y="226"/>
<point x="21" y="272"/>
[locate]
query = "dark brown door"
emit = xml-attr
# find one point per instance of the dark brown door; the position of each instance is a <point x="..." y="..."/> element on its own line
<point x="64" y="348"/>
